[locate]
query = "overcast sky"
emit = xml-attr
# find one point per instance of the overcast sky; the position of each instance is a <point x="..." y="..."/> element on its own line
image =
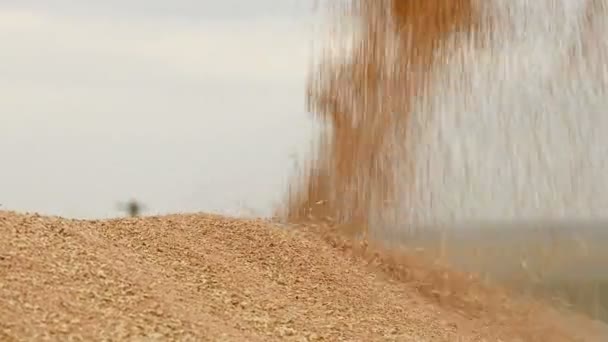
<point x="186" y="105"/>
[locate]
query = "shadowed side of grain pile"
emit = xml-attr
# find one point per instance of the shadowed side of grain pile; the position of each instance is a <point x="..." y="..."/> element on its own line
<point x="364" y="97"/>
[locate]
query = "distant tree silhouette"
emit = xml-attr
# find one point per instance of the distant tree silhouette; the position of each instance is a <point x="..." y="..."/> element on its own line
<point x="133" y="208"/>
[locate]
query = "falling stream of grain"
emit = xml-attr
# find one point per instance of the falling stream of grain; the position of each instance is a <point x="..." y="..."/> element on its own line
<point x="440" y="112"/>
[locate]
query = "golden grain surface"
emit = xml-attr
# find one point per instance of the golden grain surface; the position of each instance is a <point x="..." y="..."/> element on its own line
<point x="211" y="278"/>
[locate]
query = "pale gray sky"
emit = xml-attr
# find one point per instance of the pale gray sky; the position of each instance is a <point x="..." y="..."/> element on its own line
<point x="187" y="105"/>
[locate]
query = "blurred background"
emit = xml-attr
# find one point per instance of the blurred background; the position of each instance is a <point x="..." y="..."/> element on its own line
<point x="183" y="105"/>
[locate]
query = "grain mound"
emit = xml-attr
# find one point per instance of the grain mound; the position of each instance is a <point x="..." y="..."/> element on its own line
<point x="211" y="278"/>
